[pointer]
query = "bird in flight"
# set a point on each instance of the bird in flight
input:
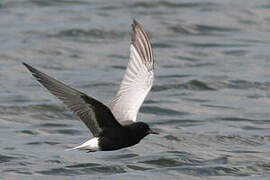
(116, 127)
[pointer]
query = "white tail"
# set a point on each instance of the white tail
(92, 145)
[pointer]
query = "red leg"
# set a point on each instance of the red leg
(90, 150)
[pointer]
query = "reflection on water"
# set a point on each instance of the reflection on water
(210, 100)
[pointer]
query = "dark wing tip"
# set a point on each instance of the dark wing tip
(135, 22)
(133, 32)
(26, 65)
(37, 74)
(141, 41)
(135, 27)
(30, 68)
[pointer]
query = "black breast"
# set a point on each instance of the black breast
(117, 138)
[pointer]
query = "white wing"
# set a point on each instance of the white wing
(137, 80)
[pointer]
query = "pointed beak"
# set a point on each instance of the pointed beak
(152, 132)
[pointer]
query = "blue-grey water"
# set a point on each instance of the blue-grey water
(210, 100)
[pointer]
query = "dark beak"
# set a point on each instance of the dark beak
(152, 132)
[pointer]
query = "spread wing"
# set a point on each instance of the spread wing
(95, 115)
(138, 78)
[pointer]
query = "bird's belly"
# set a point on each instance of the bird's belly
(107, 144)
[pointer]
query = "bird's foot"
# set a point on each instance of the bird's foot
(90, 150)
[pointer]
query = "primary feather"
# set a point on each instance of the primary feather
(95, 115)
(138, 78)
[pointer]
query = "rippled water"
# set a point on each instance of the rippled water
(210, 100)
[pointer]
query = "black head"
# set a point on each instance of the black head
(141, 129)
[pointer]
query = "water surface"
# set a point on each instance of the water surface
(210, 100)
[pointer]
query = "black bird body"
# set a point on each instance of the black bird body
(116, 127)
(121, 137)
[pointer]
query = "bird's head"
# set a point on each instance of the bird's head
(142, 129)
